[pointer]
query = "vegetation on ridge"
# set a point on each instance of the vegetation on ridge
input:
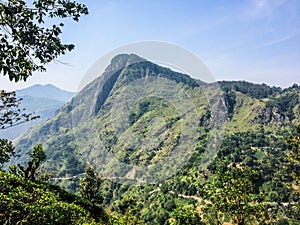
(246, 183)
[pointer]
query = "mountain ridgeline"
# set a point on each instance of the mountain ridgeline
(156, 136)
(42, 100)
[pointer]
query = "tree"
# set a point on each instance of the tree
(233, 192)
(11, 115)
(186, 215)
(6, 151)
(291, 172)
(10, 112)
(294, 157)
(37, 155)
(28, 41)
(29, 38)
(30, 203)
(89, 186)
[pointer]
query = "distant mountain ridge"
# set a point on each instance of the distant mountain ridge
(46, 91)
(43, 100)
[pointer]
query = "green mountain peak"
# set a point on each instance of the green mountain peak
(138, 115)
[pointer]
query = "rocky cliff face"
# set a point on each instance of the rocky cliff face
(268, 115)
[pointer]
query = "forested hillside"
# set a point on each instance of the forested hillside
(228, 152)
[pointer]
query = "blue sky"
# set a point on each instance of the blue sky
(253, 40)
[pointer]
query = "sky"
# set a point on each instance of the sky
(252, 40)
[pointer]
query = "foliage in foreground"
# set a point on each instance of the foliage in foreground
(25, 202)
(27, 43)
(10, 112)
(25, 199)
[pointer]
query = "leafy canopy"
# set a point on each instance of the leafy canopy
(37, 156)
(90, 186)
(29, 38)
(10, 112)
(233, 192)
(11, 115)
(6, 151)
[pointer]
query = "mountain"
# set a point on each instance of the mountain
(43, 100)
(47, 91)
(87, 115)
(157, 137)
